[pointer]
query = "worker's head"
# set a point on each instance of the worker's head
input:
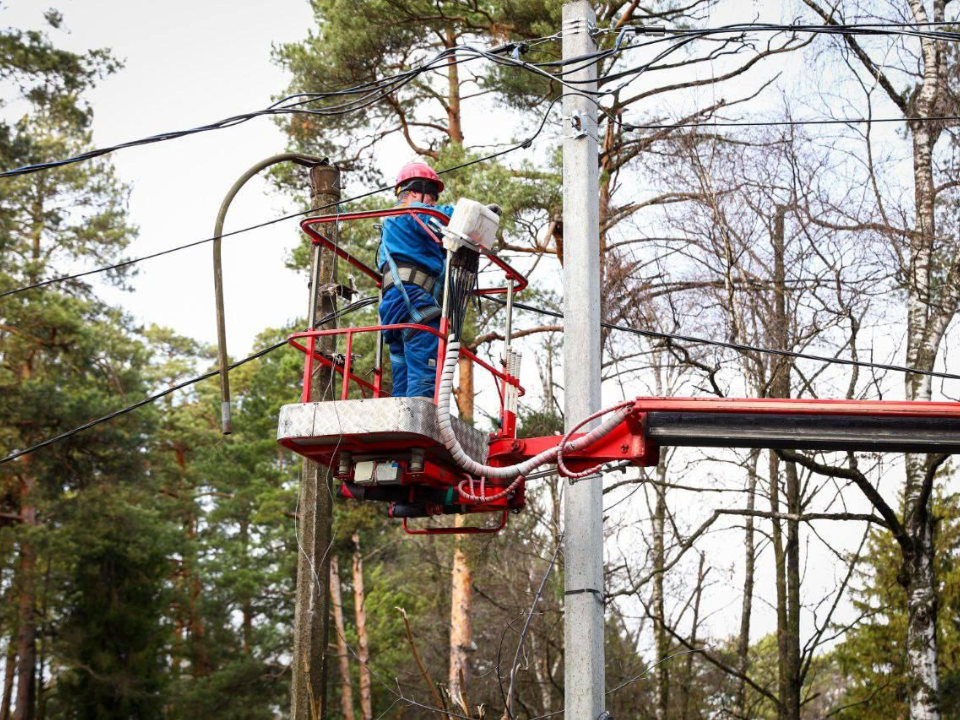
(417, 182)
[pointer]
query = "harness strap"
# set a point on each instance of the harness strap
(410, 274)
(420, 317)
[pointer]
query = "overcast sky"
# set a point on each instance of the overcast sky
(189, 63)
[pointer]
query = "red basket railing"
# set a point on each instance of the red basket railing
(306, 342)
(310, 227)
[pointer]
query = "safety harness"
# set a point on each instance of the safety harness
(411, 274)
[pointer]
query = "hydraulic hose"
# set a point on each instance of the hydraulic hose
(616, 415)
(299, 159)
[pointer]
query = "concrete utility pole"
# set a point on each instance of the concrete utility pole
(312, 615)
(584, 676)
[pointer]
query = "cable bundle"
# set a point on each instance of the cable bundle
(464, 264)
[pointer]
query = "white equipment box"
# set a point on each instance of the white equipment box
(473, 224)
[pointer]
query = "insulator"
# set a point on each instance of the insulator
(512, 393)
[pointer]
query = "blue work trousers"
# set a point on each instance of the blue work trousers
(413, 354)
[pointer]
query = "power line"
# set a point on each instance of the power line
(179, 386)
(63, 278)
(867, 29)
(780, 123)
(688, 35)
(371, 92)
(739, 347)
(625, 126)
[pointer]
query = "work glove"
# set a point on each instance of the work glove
(496, 208)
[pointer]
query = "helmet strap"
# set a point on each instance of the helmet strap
(420, 185)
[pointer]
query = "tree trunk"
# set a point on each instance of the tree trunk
(346, 688)
(199, 661)
(659, 617)
(695, 625)
(792, 700)
(541, 669)
(922, 660)
(787, 557)
(246, 608)
(363, 645)
(781, 584)
(928, 314)
(461, 593)
(27, 633)
(918, 574)
(461, 625)
(42, 634)
(9, 669)
(746, 607)
(454, 121)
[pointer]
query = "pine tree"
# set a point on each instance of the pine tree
(873, 654)
(66, 357)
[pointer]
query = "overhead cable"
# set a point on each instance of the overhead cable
(368, 93)
(364, 302)
(106, 268)
(787, 123)
(739, 347)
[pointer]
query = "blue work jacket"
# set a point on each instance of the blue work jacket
(407, 242)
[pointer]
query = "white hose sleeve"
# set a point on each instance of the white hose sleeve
(445, 425)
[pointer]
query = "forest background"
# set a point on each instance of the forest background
(147, 566)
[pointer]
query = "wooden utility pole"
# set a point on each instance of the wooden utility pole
(312, 615)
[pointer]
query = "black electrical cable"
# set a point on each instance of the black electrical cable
(865, 29)
(179, 386)
(373, 91)
(463, 279)
(785, 123)
(63, 278)
(739, 347)
(688, 35)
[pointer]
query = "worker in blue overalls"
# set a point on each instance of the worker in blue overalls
(411, 263)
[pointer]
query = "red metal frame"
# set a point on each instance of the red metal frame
(432, 475)
(795, 406)
(309, 226)
(500, 377)
(629, 440)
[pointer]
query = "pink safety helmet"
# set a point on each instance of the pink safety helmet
(417, 171)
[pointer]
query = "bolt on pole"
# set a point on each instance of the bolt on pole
(312, 615)
(584, 676)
